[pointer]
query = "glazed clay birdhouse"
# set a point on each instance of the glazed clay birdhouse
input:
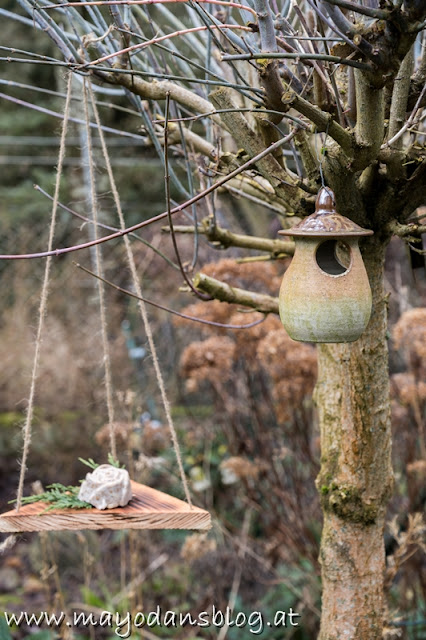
(325, 295)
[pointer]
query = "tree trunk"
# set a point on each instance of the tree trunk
(355, 481)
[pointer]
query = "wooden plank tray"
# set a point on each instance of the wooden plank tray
(148, 509)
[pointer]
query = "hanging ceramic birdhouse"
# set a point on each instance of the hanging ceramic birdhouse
(325, 295)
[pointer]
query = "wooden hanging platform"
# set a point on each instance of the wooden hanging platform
(148, 509)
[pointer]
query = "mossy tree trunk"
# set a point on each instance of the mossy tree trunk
(356, 479)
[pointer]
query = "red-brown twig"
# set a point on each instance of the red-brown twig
(147, 43)
(108, 227)
(200, 295)
(172, 311)
(91, 3)
(160, 216)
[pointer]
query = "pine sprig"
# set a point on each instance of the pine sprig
(94, 465)
(115, 463)
(58, 496)
(90, 463)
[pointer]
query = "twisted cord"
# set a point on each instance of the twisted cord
(141, 305)
(27, 427)
(101, 287)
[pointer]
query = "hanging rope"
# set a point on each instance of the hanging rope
(43, 303)
(101, 288)
(141, 304)
(8, 544)
(323, 152)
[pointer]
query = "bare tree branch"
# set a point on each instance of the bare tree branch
(193, 140)
(399, 102)
(410, 121)
(406, 230)
(284, 186)
(380, 14)
(225, 238)
(224, 292)
(299, 56)
(157, 305)
(158, 91)
(310, 163)
(324, 121)
(369, 127)
(268, 41)
(350, 30)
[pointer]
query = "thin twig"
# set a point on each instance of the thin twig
(333, 24)
(160, 216)
(177, 54)
(170, 76)
(172, 311)
(299, 56)
(380, 14)
(54, 31)
(409, 122)
(56, 114)
(182, 32)
(58, 63)
(200, 116)
(422, 252)
(108, 227)
(38, 56)
(169, 215)
(104, 3)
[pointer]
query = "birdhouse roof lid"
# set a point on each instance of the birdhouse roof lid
(325, 221)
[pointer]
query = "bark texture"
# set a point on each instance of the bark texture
(356, 478)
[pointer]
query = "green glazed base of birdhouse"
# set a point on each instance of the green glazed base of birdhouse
(325, 321)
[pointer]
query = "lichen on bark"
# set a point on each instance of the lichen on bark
(356, 477)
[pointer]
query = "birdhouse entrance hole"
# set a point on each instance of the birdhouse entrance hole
(334, 257)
